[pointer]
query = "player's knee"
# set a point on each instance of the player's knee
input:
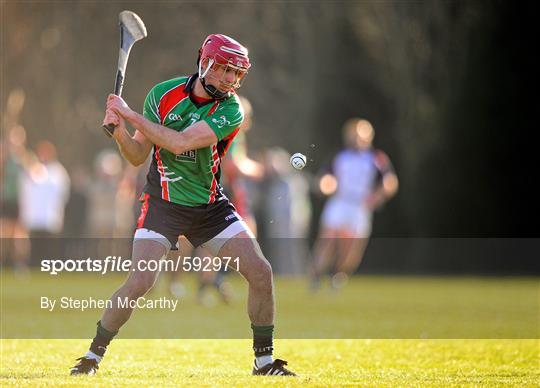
(140, 283)
(261, 275)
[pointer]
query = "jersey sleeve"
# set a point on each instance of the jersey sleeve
(151, 107)
(225, 119)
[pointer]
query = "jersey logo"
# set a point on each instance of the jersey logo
(187, 156)
(221, 122)
(174, 117)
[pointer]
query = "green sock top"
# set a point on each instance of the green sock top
(263, 331)
(104, 332)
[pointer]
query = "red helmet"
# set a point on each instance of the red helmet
(224, 50)
(219, 49)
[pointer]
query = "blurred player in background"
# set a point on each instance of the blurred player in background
(190, 122)
(102, 194)
(287, 213)
(13, 160)
(14, 157)
(362, 179)
(238, 172)
(45, 188)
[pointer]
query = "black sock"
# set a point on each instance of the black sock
(102, 339)
(263, 340)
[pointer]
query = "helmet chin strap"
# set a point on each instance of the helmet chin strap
(210, 89)
(213, 91)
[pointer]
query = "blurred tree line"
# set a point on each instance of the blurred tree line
(437, 79)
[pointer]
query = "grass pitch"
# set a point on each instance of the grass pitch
(325, 363)
(383, 307)
(369, 307)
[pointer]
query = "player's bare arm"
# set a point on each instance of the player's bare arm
(196, 136)
(134, 149)
(386, 190)
(389, 184)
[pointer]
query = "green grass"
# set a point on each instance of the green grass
(325, 363)
(369, 307)
(454, 332)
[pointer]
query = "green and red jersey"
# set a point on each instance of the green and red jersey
(191, 178)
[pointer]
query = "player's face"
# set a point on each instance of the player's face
(225, 78)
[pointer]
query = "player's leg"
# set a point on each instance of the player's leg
(324, 252)
(235, 240)
(158, 229)
(225, 234)
(139, 281)
(325, 248)
(254, 267)
(352, 245)
(352, 254)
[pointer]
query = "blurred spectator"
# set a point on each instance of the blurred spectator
(75, 233)
(126, 199)
(288, 213)
(111, 199)
(362, 180)
(76, 219)
(103, 194)
(43, 198)
(15, 245)
(240, 172)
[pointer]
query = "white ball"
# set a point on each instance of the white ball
(298, 161)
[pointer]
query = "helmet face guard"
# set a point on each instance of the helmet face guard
(224, 60)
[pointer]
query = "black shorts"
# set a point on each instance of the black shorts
(198, 224)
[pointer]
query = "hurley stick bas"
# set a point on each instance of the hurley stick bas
(132, 29)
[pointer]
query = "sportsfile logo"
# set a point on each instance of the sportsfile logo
(187, 156)
(112, 264)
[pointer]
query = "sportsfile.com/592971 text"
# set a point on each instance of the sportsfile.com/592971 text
(117, 264)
